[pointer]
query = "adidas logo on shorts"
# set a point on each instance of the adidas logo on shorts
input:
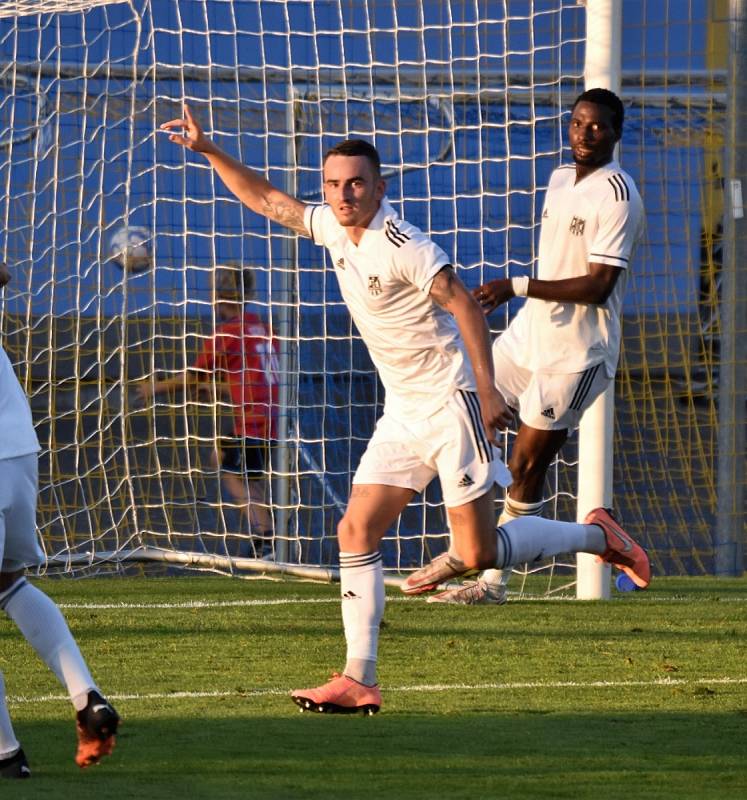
(549, 413)
(465, 481)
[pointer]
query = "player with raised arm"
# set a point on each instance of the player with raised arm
(428, 338)
(36, 616)
(560, 352)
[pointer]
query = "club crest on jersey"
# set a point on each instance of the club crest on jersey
(340, 263)
(374, 285)
(577, 226)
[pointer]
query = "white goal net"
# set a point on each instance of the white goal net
(464, 100)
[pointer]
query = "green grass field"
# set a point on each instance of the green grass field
(644, 696)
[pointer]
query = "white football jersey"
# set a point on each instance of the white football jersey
(385, 281)
(599, 219)
(17, 437)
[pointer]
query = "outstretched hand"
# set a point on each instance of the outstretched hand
(192, 136)
(493, 294)
(143, 391)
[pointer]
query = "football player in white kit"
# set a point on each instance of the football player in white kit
(428, 338)
(560, 351)
(35, 615)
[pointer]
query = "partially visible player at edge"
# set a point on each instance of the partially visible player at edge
(560, 352)
(428, 338)
(36, 616)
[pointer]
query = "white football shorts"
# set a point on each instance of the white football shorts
(548, 401)
(450, 443)
(19, 481)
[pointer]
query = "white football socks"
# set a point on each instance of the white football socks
(496, 579)
(535, 538)
(362, 592)
(8, 743)
(45, 629)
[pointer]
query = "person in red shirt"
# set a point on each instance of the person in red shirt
(240, 360)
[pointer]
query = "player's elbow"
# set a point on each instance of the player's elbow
(601, 284)
(598, 298)
(603, 292)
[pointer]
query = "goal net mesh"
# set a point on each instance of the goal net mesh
(467, 103)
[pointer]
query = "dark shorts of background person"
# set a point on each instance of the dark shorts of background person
(245, 456)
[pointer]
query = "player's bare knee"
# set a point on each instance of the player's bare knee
(352, 536)
(533, 453)
(523, 465)
(528, 478)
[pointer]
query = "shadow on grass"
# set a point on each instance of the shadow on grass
(399, 757)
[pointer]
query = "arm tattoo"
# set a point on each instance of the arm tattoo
(442, 288)
(285, 214)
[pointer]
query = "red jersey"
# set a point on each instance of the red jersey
(242, 355)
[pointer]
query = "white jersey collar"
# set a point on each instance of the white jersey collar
(369, 238)
(611, 166)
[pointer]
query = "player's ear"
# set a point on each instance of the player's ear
(380, 188)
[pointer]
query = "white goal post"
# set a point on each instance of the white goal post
(602, 68)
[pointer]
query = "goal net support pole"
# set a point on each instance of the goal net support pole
(730, 515)
(602, 68)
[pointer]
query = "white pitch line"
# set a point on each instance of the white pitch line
(418, 688)
(203, 603)
(189, 604)
(321, 600)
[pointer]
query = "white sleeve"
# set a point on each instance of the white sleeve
(620, 226)
(318, 221)
(420, 260)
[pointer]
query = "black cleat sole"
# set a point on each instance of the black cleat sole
(305, 704)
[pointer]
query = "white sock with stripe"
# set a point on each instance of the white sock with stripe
(534, 539)
(496, 579)
(45, 629)
(363, 598)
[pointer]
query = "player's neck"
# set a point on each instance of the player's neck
(355, 232)
(584, 170)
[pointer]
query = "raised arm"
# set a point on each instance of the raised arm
(254, 191)
(452, 295)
